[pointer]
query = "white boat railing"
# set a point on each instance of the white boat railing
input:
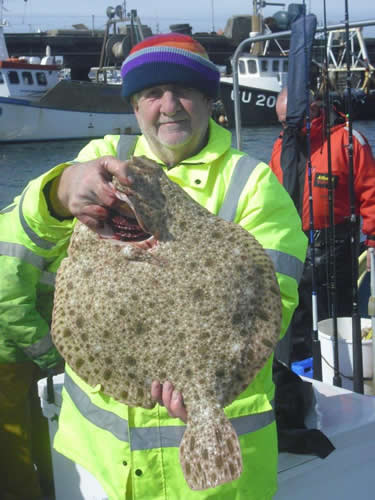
(262, 38)
(357, 57)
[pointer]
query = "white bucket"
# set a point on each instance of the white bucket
(345, 348)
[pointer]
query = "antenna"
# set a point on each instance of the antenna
(3, 21)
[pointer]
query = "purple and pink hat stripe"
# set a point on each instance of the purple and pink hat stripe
(171, 58)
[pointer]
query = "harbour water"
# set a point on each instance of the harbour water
(20, 163)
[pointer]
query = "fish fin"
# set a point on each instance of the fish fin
(210, 454)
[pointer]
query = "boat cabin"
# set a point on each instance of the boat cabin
(27, 77)
(265, 72)
(21, 79)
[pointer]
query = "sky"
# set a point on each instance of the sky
(202, 15)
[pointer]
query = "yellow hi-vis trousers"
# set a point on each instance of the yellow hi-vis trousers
(25, 454)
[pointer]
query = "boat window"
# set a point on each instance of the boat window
(27, 78)
(13, 77)
(241, 67)
(252, 66)
(285, 66)
(1, 77)
(264, 65)
(41, 78)
(275, 65)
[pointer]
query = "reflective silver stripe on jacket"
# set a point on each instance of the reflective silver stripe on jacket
(40, 242)
(48, 278)
(126, 146)
(7, 209)
(283, 262)
(39, 348)
(146, 438)
(357, 135)
(286, 264)
(23, 253)
(242, 171)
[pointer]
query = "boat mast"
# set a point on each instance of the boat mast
(3, 48)
(257, 27)
(3, 22)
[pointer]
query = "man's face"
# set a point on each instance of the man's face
(281, 106)
(173, 117)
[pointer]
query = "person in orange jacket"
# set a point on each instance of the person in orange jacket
(297, 183)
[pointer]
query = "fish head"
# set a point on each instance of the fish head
(141, 214)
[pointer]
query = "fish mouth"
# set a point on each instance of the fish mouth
(124, 226)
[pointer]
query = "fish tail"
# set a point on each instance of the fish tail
(210, 452)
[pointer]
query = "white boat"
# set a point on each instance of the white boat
(260, 80)
(262, 72)
(38, 103)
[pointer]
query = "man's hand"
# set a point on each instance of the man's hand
(165, 395)
(84, 190)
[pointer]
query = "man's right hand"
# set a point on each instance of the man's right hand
(84, 190)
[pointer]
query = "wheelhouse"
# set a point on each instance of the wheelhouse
(22, 80)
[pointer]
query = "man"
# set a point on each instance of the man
(133, 452)
(296, 183)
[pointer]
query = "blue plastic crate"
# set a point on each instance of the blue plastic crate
(303, 367)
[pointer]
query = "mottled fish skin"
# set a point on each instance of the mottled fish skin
(201, 308)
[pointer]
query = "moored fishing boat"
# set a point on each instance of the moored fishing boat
(261, 71)
(37, 103)
(260, 80)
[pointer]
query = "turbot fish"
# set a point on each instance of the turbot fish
(172, 292)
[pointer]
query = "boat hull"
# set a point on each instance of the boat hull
(69, 110)
(257, 105)
(22, 121)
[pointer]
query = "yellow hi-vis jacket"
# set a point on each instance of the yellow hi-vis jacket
(133, 452)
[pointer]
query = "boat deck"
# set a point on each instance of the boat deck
(346, 418)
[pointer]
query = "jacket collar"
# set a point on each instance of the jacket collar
(193, 171)
(219, 141)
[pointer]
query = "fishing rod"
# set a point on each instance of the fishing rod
(371, 307)
(354, 236)
(315, 342)
(331, 282)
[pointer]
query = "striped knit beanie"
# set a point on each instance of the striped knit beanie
(169, 58)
